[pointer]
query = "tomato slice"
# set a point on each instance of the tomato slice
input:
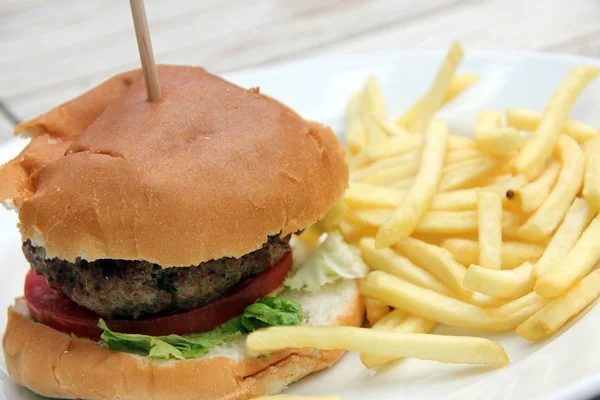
(53, 308)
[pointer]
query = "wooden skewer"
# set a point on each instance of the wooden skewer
(145, 48)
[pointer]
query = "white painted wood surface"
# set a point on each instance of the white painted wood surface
(51, 50)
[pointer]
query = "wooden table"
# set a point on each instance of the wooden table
(52, 50)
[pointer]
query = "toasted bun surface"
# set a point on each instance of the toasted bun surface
(54, 364)
(207, 172)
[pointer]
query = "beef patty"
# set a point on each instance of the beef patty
(134, 289)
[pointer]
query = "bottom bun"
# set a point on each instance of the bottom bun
(55, 364)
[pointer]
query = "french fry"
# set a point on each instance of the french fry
(311, 235)
(529, 120)
(364, 195)
(356, 133)
(403, 184)
(549, 319)
(489, 215)
(498, 177)
(591, 183)
(390, 128)
(377, 137)
(546, 219)
(468, 174)
(500, 142)
(405, 219)
(391, 320)
(461, 143)
(531, 196)
(488, 119)
(395, 146)
(375, 310)
(468, 163)
(433, 239)
(458, 156)
(391, 175)
(372, 99)
(579, 261)
(492, 137)
(541, 144)
(466, 199)
(433, 98)
(437, 261)
(534, 174)
(388, 170)
(333, 217)
(485, 301)
(409, 157)
(509, 284)
(400, 323)
(466, 252)
(576, 220)
(361, 195)
(352, 231)
(464, 223)
(391, 262)
(458, 200)
(449, 223)
(448, 349)
(459, 84)
(447, 310)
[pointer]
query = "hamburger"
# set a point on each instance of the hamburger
(157, 233)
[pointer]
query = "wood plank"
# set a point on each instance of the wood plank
(12, 7)
(508, 25)
(65, 54)
(104, 41)
(37, 16)
(88, 26)
(242, 37)
(212, 44)
(587, 44)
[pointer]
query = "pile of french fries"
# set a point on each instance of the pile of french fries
(498, 233)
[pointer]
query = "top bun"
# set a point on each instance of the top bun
(209, 171)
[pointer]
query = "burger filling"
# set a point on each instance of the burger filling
(134, 289)
(85, 296)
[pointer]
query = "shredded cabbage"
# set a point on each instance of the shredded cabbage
(334, 260)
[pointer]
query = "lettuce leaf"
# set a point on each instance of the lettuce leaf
(269, 311)
(333, 261)
(165, 347)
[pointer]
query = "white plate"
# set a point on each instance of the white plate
(566, 367)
